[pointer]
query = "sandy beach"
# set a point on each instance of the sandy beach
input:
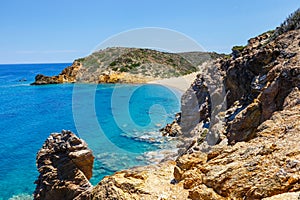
(181, 83)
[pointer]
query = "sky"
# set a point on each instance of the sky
(55, 31)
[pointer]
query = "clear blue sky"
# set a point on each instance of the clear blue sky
(62, 30)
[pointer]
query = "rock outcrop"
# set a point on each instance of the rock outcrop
(65, 165)
(265, 166)
(68, 75)
(195, 105)
(259, 80)
(150, 182)
(173, 129)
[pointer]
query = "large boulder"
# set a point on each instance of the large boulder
(65, 165)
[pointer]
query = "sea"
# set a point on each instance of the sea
(119, 122)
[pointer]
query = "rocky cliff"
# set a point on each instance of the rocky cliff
(68, 75)
(128, 65)
(240, 126)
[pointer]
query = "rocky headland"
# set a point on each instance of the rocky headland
(239, 126)
(128, 65)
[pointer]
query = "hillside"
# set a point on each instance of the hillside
(128, 65)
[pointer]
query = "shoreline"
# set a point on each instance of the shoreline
(180, 84)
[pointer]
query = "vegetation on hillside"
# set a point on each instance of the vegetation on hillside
(145, 62)
(291, 23)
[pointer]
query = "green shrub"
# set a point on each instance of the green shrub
(291, 23)
(114, 63)
(124, 69)
(80, 59)
(170, 60)
(136, 64)
(128, 60)
(227, 56)
(238, 48)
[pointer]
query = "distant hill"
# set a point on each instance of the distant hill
(128, 65)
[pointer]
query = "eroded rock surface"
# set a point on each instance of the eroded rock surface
(65, 165)
(265, 166)
(195, 105)
(68, 75)
(148, 183)
(259, 80)
(173, 129)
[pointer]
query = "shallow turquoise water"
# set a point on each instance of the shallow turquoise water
(119, 122)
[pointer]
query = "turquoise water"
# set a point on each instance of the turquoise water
(119, 122)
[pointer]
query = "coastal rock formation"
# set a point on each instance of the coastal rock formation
(150, 182)
(259, 80)
(195, 105)
(288, 195)
(262, 81)
(265, 166)
(68, 75)
(241, 140)
(65, 165)
(173, 129)
(257, 155)
(128, 65)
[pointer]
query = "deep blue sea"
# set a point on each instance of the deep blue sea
(119, 123)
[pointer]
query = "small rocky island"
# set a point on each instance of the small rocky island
(249, 150)
(128, 65)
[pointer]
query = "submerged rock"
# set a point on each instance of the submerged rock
(65, 165)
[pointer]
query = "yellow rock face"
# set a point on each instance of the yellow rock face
(123, 77)
(148, 183)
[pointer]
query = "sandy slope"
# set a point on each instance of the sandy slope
(181, 83)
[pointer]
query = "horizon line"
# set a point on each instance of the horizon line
(35, 63)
